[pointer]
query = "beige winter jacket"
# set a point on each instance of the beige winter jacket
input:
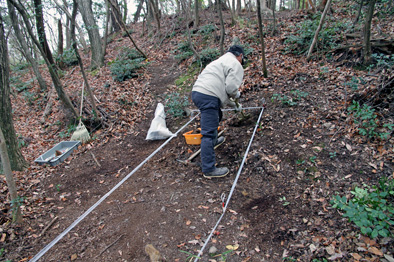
(221, 78)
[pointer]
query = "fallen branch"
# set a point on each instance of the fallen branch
(48, 226)
(94, 158)
(110, 245)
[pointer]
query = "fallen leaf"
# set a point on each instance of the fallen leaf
(356, 256)
(375, 251)
(232, 247)
(181, 245)
(336, 256)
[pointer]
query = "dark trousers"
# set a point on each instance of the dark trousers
(211, 114)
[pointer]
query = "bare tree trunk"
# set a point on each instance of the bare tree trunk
(105, 40)
(60, 42)
(189, 38)
(239, 7)
(41, 31)
(222, 30)
(51, 67)
(138, 12)
(68, 33)
(25, 48)
(116, 16)
(16, 208)
(312, 6)
(367, 32)
(196, 13)
(74, 14)
(232, 12)
(322, 5)
(318, 29)
(124, 11)
(85, 7)
(265, 72)
(360, 8)
(6, 123)
(128, 34)
(156, 13)
(68, 15)
(273, 3)
(60, 37)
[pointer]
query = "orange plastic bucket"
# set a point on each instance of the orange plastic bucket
(194, 139)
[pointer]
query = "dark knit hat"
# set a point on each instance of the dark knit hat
(236, 50)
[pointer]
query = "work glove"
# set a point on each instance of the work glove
(237, 95)
(238, 107)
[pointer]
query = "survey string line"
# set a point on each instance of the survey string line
(232, 188)
(87, 212)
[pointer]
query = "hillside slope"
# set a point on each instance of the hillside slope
(305, 151)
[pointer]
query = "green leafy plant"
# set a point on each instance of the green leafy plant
(29, 97)
(223, 256)
(127, 64)
(289, 259)
(312, 159)
(354, 83)
(16, 82)
(22, 66)
(284, 99)
(208, 55)
(68, 58)
(366, 120)
(190, 256)
(323, 72)
(284, 201)
(183, 51)
(329, 36)
(381, 61)
(21, 141)
(206, 30)
(299, 94)
(67, 133)
(333, 154)
(175, 104)
(370, 209)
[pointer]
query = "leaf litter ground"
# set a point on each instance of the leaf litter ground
(280, 207)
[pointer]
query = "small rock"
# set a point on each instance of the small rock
(213, 250)
(153, 253)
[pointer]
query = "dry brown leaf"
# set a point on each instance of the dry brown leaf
(356, 256)
(375, 251)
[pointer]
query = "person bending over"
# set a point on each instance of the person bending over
(217, 83)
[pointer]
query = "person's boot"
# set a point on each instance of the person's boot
(218, 172)
(219, 141)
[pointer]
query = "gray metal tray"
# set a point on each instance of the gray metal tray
(58, 153)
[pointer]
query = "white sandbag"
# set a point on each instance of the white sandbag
(158, 128)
